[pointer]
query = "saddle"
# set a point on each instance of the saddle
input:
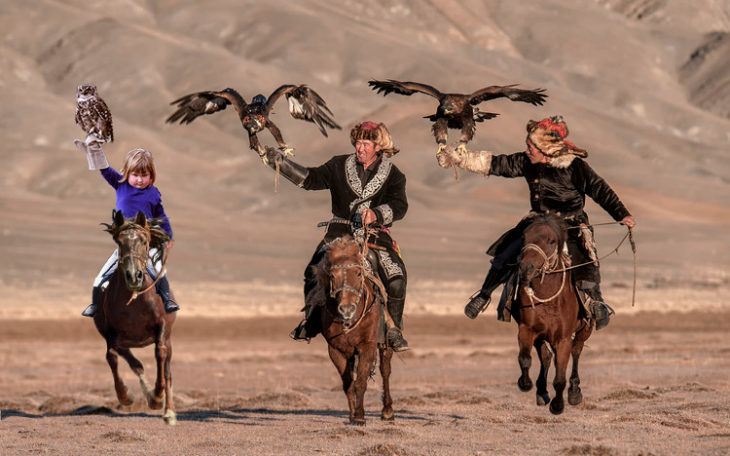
(506, 310)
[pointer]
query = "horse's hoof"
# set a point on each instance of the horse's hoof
(154, 404)
(543, 399)
(170, 418)
(524, 383)
(127, 399)
(358, 421)
(556, 407)
(387, 415)
(575, 398)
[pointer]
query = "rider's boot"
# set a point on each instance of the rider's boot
(600, 310)
(394, 337)
(90, 311)
(480, 300)
(310, 326)
(163, 289)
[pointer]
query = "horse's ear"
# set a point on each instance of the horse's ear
(118, 218)
(140, 219)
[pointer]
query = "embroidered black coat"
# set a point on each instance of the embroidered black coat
(560, 186)
(384, 193)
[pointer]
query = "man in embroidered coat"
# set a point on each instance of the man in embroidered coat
(366, 188)
(559, 180)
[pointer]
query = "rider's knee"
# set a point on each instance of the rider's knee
(397, 287)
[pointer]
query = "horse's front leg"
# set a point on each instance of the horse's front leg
(364, 365)
(169, 413)
(526, 339)
(155, 401)
(122, 391)
(345, 367)
(575, 396)
(138, 369)
(386, 354)
(562, 356)
(546, 356)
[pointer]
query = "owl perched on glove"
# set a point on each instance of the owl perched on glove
(92, 114)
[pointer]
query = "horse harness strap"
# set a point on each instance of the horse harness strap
(550, 263)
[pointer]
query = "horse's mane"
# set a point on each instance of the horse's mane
(158, 236)
(555, 223)
(344, 246)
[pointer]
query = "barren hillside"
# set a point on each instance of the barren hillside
(642, 85)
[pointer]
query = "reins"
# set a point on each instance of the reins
(144, 259)
(362, 292)
(549, 262)
(629, 234)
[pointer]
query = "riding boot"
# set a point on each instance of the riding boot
(310, 326)
(163, 289)
(479, 302)
(90, 311)
(394, 337)
(600, 310)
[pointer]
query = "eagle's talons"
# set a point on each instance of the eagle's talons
(287, 151)
(461, 148)
(442, 147)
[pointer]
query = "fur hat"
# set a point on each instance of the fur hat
(375, 132)
(548, 135)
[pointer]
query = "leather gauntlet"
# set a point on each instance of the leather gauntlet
(294, 172)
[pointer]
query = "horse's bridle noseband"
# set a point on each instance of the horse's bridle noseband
(345, 286)
(550, 264)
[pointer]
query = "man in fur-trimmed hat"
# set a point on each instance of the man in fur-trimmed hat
(559, 181)
(366, 189)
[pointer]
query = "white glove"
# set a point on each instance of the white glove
(94, 152)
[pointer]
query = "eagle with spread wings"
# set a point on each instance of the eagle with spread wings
(459, 111)
(304, 103)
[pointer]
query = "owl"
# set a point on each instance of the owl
(92, 114)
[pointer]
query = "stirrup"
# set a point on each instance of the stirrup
(90, 311)
(300, 332)
(171, 306)
(396, 341)
(476, 305)
(601, 313)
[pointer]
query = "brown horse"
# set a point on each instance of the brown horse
(350, 323)
(548, 312)
(132, 314)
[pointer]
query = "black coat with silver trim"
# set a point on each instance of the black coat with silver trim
(384, 193)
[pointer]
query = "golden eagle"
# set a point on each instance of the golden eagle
(304, 103)
(456, 110)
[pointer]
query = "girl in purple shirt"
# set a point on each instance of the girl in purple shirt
(135, 193)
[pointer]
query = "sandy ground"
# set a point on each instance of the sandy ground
(653, 384)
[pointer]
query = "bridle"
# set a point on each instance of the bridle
(551, 263)
(365, 274)
(142, 258)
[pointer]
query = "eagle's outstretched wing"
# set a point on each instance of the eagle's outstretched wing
(304, 104)
(403, 88)
(534, 97)
(196, 104)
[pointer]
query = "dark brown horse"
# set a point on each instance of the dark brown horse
(548, 313)
(350, 324)
(132, 314)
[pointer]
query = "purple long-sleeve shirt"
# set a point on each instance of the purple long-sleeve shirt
(131, 200)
